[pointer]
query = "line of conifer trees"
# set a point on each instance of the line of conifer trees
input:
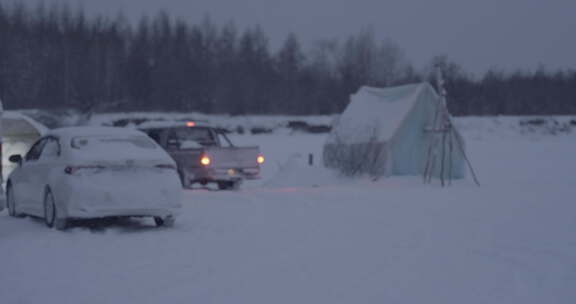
(56, 58)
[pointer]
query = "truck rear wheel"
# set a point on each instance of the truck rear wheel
(167, 221)
(184, 180)
(228, 185)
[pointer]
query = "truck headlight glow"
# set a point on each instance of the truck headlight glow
(260, 159)
(205, 160)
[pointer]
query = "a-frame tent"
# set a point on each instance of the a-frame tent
(404, 130)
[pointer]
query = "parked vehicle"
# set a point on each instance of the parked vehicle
(84, 172)
(2, 196)
(19, 132)
(205, 154)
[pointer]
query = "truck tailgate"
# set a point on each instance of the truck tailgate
(234, 157)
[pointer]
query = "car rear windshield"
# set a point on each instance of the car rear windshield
(112, 142)
(202, 136)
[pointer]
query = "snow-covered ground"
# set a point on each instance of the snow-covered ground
(304, 235)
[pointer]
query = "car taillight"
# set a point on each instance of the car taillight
(260, 159)
(205, 160)
(73, 169)
(166, 166)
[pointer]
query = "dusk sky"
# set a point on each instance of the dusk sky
(477, 34)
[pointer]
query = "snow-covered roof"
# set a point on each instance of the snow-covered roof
(109, 151)
(18, 124)
(376, 113)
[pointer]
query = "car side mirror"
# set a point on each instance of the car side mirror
(16, 158)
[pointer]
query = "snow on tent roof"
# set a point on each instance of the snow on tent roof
(110, 150)
(375, 113)
(17, 124)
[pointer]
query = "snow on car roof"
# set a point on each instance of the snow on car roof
(110, 151)
(91, 131)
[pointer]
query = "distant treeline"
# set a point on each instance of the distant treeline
(52, 57)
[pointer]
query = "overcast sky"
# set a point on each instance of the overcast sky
(477, 34)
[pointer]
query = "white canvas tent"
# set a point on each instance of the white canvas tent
(19, 132)
(403, 130)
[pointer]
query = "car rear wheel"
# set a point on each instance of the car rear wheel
(51, 213)
(167, 221)
(11, 202)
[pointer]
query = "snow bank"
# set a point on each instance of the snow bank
(499, 126)
(533, 127)
(296, 172)
(246, 122)
(390, 241)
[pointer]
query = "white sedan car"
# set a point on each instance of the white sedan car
(94, 172)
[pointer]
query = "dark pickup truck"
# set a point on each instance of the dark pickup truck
(204, 154)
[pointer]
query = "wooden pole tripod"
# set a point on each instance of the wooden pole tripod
(443, 125)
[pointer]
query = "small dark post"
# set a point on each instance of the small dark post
(311, 159)
(1, 136)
